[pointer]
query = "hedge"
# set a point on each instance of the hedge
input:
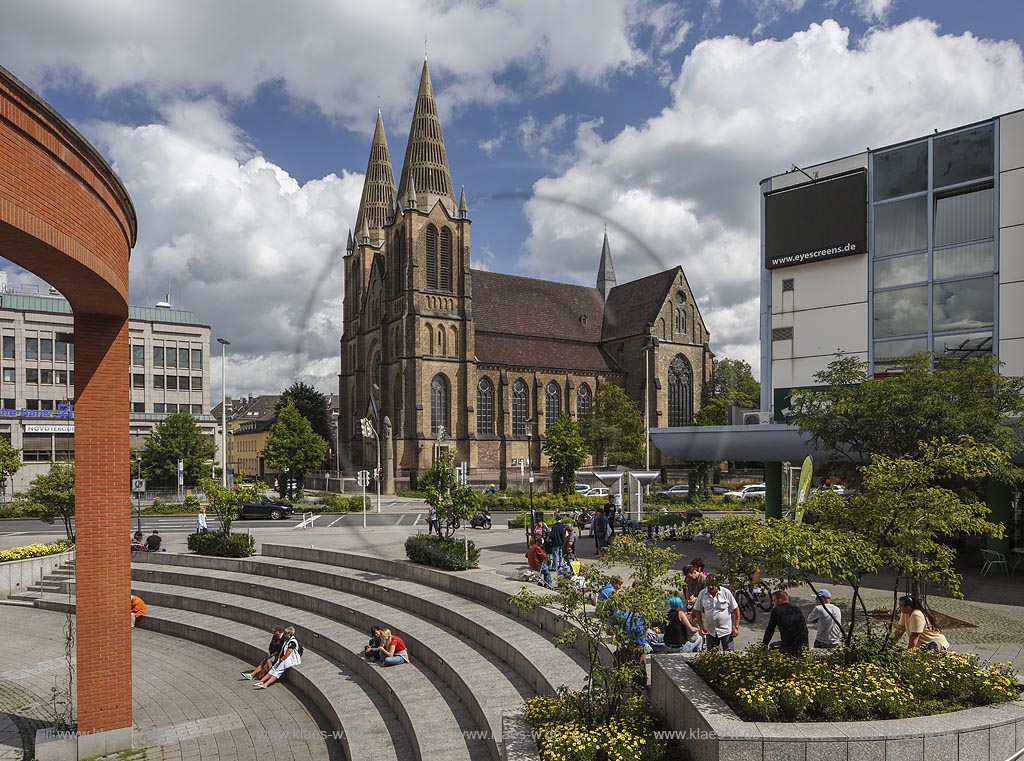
(441, 552)
(222, 545)
(35, 551)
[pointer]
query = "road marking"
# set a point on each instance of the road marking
(418, 516)
(400, 517)
(336, 520)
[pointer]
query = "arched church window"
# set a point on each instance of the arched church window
(442, 341)
(680, 392)
(552, 404)
(439, 404)
(520, 408)
(445, 266)
(430, 338)
(664, 335)
(454, 347)
(432, 257)
(583, 401)
(485, 407)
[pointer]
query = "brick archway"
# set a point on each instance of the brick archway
(65, 217)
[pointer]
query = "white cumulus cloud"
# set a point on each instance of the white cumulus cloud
(682, 187)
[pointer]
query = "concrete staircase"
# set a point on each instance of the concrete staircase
(475, 656)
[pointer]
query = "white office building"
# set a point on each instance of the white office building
(170, 372)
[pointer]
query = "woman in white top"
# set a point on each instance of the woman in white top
(201, 521)
(288, 658)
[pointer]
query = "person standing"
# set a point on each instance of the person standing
(201, 521)
(432, 522)
(600, 532)
(828, 619)
(558, 531)
(790, 621)
(716, 613)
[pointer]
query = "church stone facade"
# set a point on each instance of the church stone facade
(434, 350)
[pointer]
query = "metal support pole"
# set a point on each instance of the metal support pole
(223, 411)
(380, 476)
(364, 505)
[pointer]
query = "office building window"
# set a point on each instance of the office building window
(8, 404)
(46, 376)
(158, 381)
(197, 359)
(46, 348)
(31, 375)
(37, 447)
(159, 408)
(158, 356)
(46, 404)
(520, 408)
(197, 383)
(60, 377)
(933, 289)
(552, 404)
(171, 357)
(138, 406)
(8, 347)
(138, 380)
(31, 348)
(138, 354)
(485, 407)
(64, 347)
(9, 375)
(183, 359)
(171, 383)
(197, 409)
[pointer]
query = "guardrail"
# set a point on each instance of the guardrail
(307, 520)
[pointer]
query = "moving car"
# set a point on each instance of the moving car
(261, 507)
(835, 488)
(598, 491)
(582, 488)
(679, 490)
(750, 490)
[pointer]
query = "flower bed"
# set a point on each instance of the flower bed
(35, 551)
(766, 685)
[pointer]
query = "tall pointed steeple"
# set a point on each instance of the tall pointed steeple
(605, 272)
(426, 161)
(378, 200)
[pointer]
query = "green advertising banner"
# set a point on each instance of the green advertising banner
(803, 488)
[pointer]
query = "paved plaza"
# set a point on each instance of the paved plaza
(191, 703)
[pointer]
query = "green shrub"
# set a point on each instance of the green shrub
(411, 493)
(441, 552)
(222, 545)
(191, 501)
(337, 503)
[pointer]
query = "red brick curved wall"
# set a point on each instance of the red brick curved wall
(65, 217)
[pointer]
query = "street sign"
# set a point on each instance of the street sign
(181, 474)
(138, 485)
(363, 478)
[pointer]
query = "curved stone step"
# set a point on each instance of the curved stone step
(480, 679)
(370, 730)
(439, 726)
(527, 650)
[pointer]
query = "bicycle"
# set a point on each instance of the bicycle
(750, 599)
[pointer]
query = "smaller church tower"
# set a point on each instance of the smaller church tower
(605, 271)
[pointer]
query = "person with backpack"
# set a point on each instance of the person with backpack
(291, 656)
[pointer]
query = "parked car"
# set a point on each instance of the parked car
(679, 490)
(261, 507)
(582, 488)
(835, 488)
(751, 490)
(598, 491)
(718, 491)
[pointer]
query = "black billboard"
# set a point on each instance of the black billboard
(825, 219)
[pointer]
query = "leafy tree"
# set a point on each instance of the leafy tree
(453, 501)
(732, 383)
(901, 520)
(855, 417)
(224, 502)
(52, 495)
(312, 405)
(178, 437)
(10, 463)
(293, 448)
(566, 449)
(614, 427)
(608, 688)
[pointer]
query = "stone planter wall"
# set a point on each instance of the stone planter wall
(17, 575)
(711, 731)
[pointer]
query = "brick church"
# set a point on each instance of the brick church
(481, 361)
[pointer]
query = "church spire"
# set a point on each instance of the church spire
(605, 272)
(426, 161)
(463, 209)
(378, 200)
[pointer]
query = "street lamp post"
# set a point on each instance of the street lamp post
(223, 411)
(648, 345)
(529, 464)
(138, 494)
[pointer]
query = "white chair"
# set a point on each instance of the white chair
(991, 558)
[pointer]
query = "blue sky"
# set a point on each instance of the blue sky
(241, 130)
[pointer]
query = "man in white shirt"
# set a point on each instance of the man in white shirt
(717, 615)
(830, 631)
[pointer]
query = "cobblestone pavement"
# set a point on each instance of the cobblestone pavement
(190, 702)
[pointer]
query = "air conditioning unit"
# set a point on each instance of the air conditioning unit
(757, 418)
